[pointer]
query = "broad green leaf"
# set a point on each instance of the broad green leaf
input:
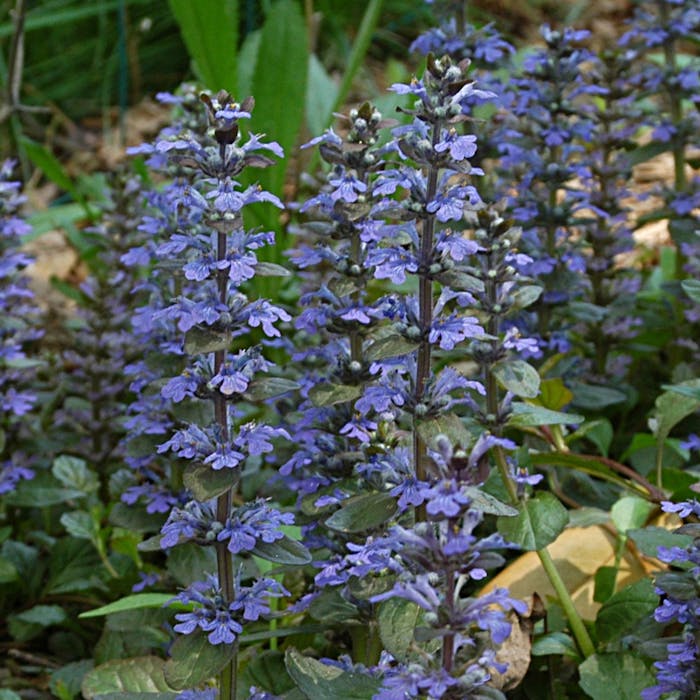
(649, 539)
(142, 674)
(593, 397)
(74, 473)
(605, 579)
(31, 623)
(131, 602)
(210, 31)
(389, 346)
(268, 269)
(194, 660)
(519, 377)
(447, 424)
(486, 503)
(630, 512)
(555, 644)
(188, 562)
(690, 392)
(269, 387)
(320, 96)
(201, 339)
(622, 676)
(279, 83)
(599, 432)
(539, 522)
(74, 566)
(526, 415)
(623, 611)
(331, 608)
(135, 518)
(205, 482)
(6, 694)
(80, 524)
(43, 159)
(364, 512)
(526, 295)
(692, 289)
(267, 670)
(672, 408)
(7, 571)
(397, 619)
(646, 152)
(283, 551)
(65, 681)
(331, 394)
(42, 491)
(318, 680)
(554, 394)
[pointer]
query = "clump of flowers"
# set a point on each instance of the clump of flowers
(216, 256)
(678, 674)
(18, 328)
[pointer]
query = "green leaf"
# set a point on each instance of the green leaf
(672, 408)
(331, 394)
(31, 623)
(605, 578)
(317, 680)
(320, 96)
(539, 522)
(331, 608)
(526, 415)
(65, 682)
(74, 566)
(267, 670)
(555, 644)
(649, 539)
(283, 551)
(43, 159)
(593, 397)
(194, 660)
(621, 676)
(447, 424)
(42, 491)
(280, 93)
(215, 59)
(135, 518)
(599, 432)
(623, 611)
(74, 473)
(201, 339)
(526, 295)
(8, 572)
(554, 394)
(142, 674)
(6, 694)
(268, 269)
(646, 152)
(269, 387)
(519, 377)
(189, 562)
(486, 503)
(397, 619)
(80, 524)
(692, 289)
(389, 346)
(205, 482)
(131, 602)
(630, 512)
(364, 512)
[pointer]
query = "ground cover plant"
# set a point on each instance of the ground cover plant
(365, 396)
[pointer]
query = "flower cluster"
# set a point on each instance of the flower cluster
(203, 256)
(678, 673)
(18, 328)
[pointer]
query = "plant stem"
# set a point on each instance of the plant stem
(579, 630)
(224, 559)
